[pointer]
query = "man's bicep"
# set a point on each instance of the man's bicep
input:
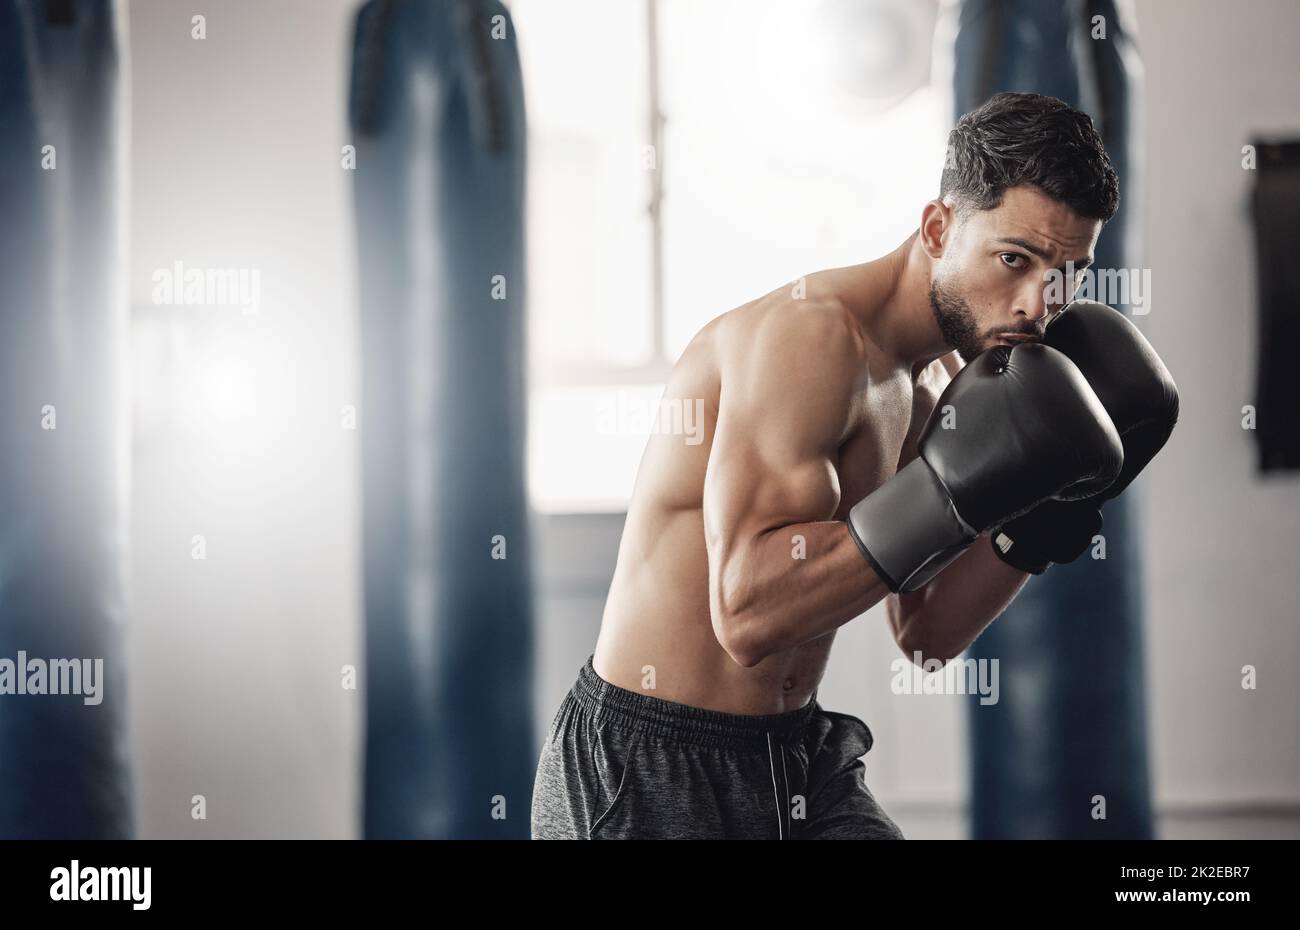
(749, 489)
(780, 424)
(764, 474)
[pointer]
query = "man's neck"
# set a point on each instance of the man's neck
(903, 323)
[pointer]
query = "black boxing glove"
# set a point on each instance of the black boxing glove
(1141, 400)
(1027, 428)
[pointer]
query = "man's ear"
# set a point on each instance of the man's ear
(937, 222)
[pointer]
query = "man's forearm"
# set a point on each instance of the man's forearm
(799, 583)
(947, 615)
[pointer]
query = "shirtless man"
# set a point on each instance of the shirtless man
(743, 554)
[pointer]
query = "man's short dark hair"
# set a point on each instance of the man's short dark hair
(1029, 139)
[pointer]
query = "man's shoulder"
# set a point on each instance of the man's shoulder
(805, 329)
(801, 357)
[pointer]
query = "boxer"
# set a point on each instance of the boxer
(924, 429)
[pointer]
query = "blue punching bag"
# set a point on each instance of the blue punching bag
(438, 123)
(64, 768)
(1063, 754)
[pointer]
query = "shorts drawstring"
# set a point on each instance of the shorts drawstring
(781, 824)
(786, 778)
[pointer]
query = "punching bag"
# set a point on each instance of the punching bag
(1063, 754)
(64, 440)
(437, 122)
(1275, 208)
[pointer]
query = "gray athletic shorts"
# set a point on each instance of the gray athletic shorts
(621, 765)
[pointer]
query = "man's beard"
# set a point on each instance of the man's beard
(956, 321)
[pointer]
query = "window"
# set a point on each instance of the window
(685, 158)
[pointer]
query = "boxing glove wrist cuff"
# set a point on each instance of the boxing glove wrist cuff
(908, 529)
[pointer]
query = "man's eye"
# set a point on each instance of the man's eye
(1011, 259)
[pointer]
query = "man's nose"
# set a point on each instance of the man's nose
(1032, 303)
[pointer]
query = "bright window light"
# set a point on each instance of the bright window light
(780, 156)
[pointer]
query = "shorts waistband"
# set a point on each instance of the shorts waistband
(695, 725)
